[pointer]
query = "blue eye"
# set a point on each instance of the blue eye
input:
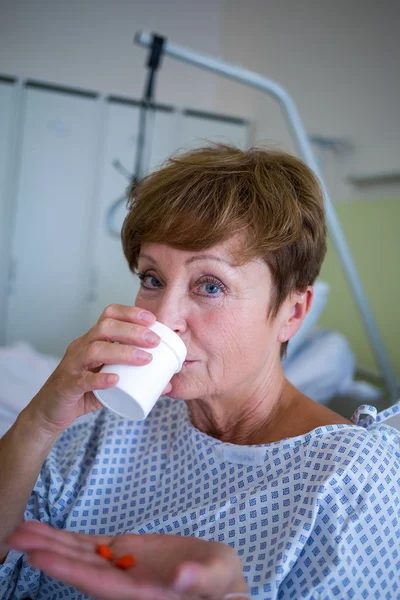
(154, 281)
(211, 288)
(208, 286)
(148, 281)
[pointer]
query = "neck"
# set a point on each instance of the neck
(246, 416)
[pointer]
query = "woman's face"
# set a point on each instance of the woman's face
(221, 313)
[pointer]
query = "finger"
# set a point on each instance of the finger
(103, 581)
(88, 381)
(83, 385)
(102, 353)
(74, 540)
(124, 332)
(167, 389)
(211, 581)
(90, 402)
(130, 314)
(33, 542)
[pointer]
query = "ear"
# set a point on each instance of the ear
(294, 311)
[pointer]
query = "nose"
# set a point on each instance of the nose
(171, 312)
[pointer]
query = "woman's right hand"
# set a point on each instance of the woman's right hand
(68, 392)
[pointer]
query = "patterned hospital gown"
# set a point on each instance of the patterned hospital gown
(312, 517)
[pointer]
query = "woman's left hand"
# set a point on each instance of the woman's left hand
(168, 567)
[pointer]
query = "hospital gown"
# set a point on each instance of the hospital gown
(315, 516)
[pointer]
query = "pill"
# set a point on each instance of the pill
(126, 561)
(105, 551)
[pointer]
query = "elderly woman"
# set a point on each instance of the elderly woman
(263, 492)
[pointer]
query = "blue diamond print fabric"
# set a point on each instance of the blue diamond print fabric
(313, 517)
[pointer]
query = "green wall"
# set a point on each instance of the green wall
(372, 229)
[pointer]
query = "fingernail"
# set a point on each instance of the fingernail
(143, 356)
(147, 317)
(151, 337)
(185, 580)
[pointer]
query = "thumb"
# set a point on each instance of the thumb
(167, 389)
(213, 581)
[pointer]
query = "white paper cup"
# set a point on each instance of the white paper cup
(139, 387)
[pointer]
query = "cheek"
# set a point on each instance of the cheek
(235, 333)
(148, 302)
(141, 301)
(219, 328)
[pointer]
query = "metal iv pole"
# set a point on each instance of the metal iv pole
(146, 117)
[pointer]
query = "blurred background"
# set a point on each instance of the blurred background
(71, 82)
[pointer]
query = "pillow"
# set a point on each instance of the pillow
(23, 371)
(323, 367)
(321, 291)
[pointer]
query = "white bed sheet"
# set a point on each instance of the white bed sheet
(23, 371)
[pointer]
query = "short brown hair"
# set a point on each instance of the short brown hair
(205, 196)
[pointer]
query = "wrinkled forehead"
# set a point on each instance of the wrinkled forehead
(230, 251)
(226, 256)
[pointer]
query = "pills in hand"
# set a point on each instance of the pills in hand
(126, 561)
(105, 551)
(123, 562)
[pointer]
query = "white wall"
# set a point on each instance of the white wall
(339, 61)
(89, 43)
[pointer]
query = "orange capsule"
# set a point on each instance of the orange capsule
(126, 561)
(105, 551)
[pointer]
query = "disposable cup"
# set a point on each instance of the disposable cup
(139, 387)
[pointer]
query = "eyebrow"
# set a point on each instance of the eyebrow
(193, 259)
